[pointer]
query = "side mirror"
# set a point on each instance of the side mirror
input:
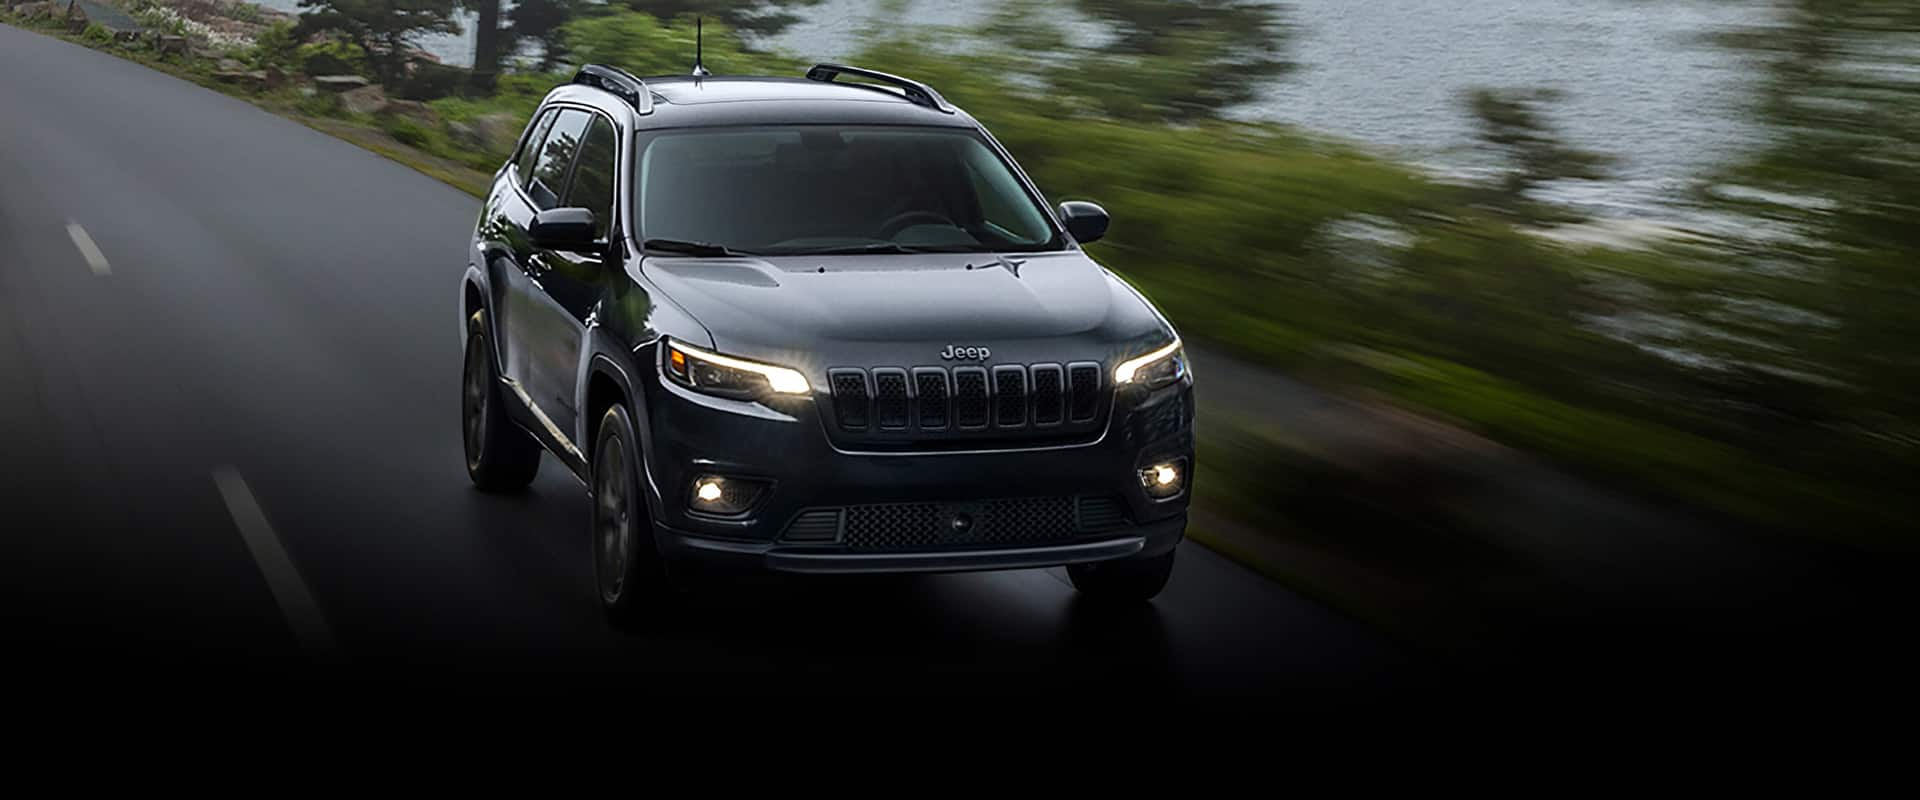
(566, 229)
(1086, 221)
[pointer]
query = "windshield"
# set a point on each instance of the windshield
(816, 189)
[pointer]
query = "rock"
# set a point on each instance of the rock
(465, 135)
(254, 79)
(414, 110)
(229, 65)
(165, 44)
(340, 83)
(32, 11)
(364, 100)
(497, 132)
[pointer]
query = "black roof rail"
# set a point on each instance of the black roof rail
(917, 93)
(618, 81)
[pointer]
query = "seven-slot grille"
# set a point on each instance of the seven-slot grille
(967, 399)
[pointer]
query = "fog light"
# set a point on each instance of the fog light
(714, 494)
(1165, 479)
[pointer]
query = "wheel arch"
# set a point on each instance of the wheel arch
(609, 382)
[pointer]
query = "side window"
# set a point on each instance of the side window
(523, 164)
(556, 157)
(592, 186)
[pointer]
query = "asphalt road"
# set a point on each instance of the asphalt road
(228, 387)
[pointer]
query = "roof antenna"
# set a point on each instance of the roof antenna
(699, 69)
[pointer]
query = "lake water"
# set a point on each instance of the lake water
(1640, 84)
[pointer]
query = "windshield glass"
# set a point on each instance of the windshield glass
(817, 189)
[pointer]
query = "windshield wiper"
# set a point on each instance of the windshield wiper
(705, 249)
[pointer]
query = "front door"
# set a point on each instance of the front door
(541, 343)
(572, 284)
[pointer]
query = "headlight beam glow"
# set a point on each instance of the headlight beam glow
(1127, 369)
(780, 379)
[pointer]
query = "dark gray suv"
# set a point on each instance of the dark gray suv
(816, 325)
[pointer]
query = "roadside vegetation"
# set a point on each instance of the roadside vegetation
(1768, 375)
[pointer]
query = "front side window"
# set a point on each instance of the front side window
(824, 189)
(592, 186)
(530, 149)
(556, 157)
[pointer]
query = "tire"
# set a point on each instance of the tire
(500, 456)
(1131, 580)
(630, 577)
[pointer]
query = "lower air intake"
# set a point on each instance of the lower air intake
(1010, 521)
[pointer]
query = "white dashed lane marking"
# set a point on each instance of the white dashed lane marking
(96, 260)
(289, 590)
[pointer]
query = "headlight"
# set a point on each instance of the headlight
(1153, 370)
(726, 376)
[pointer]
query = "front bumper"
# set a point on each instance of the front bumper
(1142, 541)
(788, 449)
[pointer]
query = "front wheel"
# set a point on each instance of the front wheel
(1128, 580)
(500, 456)
(628, 571)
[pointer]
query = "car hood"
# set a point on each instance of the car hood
(865, 308)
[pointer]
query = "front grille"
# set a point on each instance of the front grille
(902, 407)
(1008, 521)
(849, 397)
(890, 398)
(1047, 394)
(930, 386)
(1085, 391)
(1009, 397)
(970, 397)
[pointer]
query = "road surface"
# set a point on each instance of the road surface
(230, 371)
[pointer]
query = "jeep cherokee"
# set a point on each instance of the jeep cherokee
(815, 325)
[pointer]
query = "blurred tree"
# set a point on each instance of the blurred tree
(487, 41)
(542, 21)
(1511, 122)
(760, 17)
(1179, 60)
(645, 45)
(276, 48)
(385, 29)
(1836, 195)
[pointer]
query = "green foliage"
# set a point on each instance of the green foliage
(277, 48)
(432, 81)
(515, 94)
(386, 30)
(407, 131)
(645, 45)
(332, 57)
(1511, 124)
(94, 34)
(751, 16)
(542, 21)
(318, 104)
(1177, 61)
